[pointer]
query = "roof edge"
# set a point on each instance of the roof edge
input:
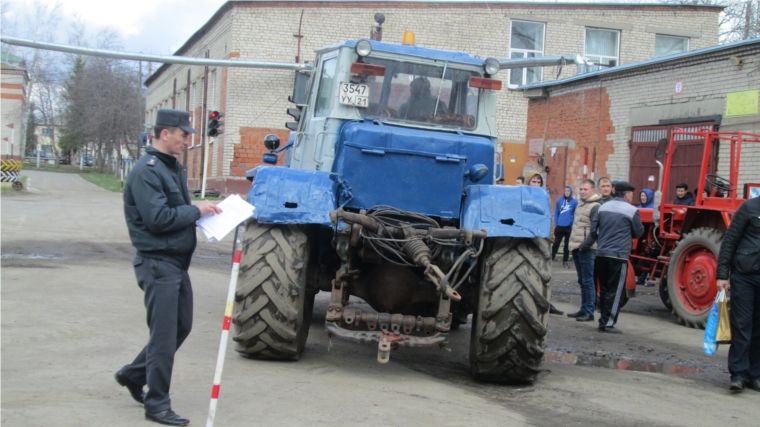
(641, 64)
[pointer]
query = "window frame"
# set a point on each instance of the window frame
(586, 54)
(525, 52)
(688, 43)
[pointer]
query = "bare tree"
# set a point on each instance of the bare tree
(740, 19)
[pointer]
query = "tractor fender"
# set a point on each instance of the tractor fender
(291, 196)
(507, 211)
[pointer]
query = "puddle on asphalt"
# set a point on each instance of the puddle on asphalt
(31, 256)
(620, 364)
(199, 256)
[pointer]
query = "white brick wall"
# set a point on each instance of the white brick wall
(705, 78)
(258, 98)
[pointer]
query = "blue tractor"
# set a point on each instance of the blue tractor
(388, 195)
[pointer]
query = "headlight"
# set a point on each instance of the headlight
(363, 48)
(491, 66)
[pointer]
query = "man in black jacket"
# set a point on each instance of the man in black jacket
(740, 258)
(161, 223)
(615, 225)
(683, 197)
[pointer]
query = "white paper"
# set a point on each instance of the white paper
(234, 211)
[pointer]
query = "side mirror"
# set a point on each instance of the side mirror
(477, 172)
(272, 142)
(300, 88)
(662, 146)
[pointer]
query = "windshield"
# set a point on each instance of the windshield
(418, 93)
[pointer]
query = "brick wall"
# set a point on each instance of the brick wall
(644, 96)
(261, 31)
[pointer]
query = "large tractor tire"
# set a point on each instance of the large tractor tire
(273, 305)
(509, 322)
(691, 276)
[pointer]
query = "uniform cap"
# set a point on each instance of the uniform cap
(622, 186)
(174, 118)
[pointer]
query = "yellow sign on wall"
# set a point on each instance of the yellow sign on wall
(742, 103)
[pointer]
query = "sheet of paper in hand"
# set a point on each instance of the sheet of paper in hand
(234, 211)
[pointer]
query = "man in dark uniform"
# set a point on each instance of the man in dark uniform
(161, 223)
(616, 223)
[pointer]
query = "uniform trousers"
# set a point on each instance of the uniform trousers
(744, 353)
(169, 305)
(612, 273)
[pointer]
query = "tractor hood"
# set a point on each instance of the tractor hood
(416, 170)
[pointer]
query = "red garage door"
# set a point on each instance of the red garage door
(687, 157)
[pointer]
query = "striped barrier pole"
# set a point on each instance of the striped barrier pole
(236, 256)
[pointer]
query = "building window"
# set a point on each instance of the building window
(526, 41)
(45, 131)
(602, 47)
(668, 45)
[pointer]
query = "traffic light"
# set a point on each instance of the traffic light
(300, 91)
(214, 123)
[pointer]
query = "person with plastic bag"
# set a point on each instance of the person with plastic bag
(739, 260)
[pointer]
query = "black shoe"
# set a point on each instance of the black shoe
(167, 417)
(576, 314)
(610, 330)
(553, 310)
(565, 265)
(585, 317)
(754, 385)
(737, 385)
(135, 389)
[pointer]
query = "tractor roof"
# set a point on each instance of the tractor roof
(411, 50)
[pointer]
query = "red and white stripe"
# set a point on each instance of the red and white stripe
(237, 255)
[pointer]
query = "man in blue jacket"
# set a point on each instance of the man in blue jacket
(564, 212)
(614, 227)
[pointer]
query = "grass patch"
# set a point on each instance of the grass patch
(105, 181)
(6, 188)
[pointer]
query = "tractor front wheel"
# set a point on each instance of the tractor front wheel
(509, 322)
(273, 305)
(691, 276)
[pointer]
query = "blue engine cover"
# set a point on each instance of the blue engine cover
(410, 169)
(291, 196)
(507, 211)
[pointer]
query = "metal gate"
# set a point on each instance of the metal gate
(687, 157)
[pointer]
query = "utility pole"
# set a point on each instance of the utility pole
(204, 140)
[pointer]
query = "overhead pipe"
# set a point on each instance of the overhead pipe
(165, 59)
(546, 61)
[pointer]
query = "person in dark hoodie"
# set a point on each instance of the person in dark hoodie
(564, 212)
(684, 197)
(646, 197)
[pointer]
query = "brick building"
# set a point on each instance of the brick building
(255, 100)
(608, 122)
(13, 105)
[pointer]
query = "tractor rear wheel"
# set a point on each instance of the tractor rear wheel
(509, 322)
(691, 273)
(273, 305)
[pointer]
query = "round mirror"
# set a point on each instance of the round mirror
(271, 142)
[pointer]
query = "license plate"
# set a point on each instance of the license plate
(354, 94)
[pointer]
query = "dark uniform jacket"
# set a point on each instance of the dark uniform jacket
(615, 225)
(160, 217)
(740, 248)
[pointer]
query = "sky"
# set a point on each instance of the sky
(149, 26)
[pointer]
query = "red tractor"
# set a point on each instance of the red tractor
(680, 245)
